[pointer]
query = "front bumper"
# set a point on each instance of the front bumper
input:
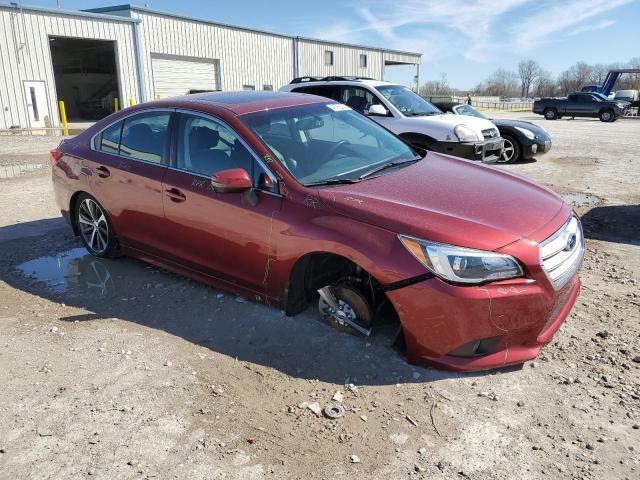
(488, 151)
(438, 319)
(536, 147)
(499, 323)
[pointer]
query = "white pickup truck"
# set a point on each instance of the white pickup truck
(408, 115)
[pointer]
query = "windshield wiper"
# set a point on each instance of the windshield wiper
(423, 114)
(387, 165)
(331, 181)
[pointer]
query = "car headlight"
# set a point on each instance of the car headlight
(462, 265)
(527, 133)
(465, 134)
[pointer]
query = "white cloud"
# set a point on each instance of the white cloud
(550, 20)
(591, 28)
(479, 30)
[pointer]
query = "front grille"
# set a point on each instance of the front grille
(490, 133)
(561, 254)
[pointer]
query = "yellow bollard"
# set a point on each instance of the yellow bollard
(158, 97)
(116, 105)
(63, 118)
(131, 104)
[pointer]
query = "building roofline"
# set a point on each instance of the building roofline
(72, 13)
(363, 47)
(137, 8)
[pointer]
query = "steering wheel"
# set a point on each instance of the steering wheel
(334, 149)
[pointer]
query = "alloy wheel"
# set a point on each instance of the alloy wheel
(93, 225)
(507, 152)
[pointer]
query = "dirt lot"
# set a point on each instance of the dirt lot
(114, 369)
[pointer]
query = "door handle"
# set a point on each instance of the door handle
(103, 172)
(175, 195)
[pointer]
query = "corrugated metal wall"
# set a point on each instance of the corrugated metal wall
(346, 60)
(245, 57)
(25, 55)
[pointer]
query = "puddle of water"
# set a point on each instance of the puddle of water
(582, 199)
(73, 270)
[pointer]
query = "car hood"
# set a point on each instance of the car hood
(503, 122)
(477, 124)
(449, 200)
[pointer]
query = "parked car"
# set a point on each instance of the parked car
(408, 115)
(581, 104)
(521, 139)
(294, 199)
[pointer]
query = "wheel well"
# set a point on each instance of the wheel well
(72, 211)
(318, 269)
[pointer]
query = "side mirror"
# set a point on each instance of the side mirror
(232, 180)
(377, 111)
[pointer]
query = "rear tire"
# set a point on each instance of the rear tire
(607, 116)
(511, 152)
(550, 114)
(95, 229)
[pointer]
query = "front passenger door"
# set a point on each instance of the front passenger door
(223, 235)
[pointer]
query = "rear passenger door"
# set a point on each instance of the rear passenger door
(223, 235)
(130, 161)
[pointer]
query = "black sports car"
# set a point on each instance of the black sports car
(521, 139)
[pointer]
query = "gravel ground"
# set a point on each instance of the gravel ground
(115, 369)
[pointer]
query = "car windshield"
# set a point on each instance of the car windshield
(409, 104)
(328, 143)
(469, 111)
(600, 96)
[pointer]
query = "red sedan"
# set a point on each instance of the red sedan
(291, 199)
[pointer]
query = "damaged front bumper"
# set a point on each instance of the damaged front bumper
(484, 327)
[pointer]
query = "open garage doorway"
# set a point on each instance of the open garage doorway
(86, 76)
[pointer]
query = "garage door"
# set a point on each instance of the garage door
(178, 75)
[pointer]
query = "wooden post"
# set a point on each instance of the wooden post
(63, 118)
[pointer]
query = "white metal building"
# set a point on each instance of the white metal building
(94, 59)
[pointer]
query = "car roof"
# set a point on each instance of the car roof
(243, 102)
(355, 82)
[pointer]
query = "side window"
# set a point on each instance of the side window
(144, 136)
(328, 92)
(109, 140)
(206, 147)
(359, 99)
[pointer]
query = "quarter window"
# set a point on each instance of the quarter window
(109, 140)
(144, 136)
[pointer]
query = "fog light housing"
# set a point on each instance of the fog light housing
(534, 148)
(477, 348)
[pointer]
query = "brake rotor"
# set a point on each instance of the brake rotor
(346, 309)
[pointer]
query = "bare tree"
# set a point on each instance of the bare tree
(545, 84)
(502, 83)
(528, 70)
(436, 87)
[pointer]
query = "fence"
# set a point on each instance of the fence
(487, 103)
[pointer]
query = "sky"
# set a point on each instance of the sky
(465, 39)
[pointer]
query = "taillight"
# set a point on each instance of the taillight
(55, 155)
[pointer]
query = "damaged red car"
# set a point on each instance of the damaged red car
(295, 200)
